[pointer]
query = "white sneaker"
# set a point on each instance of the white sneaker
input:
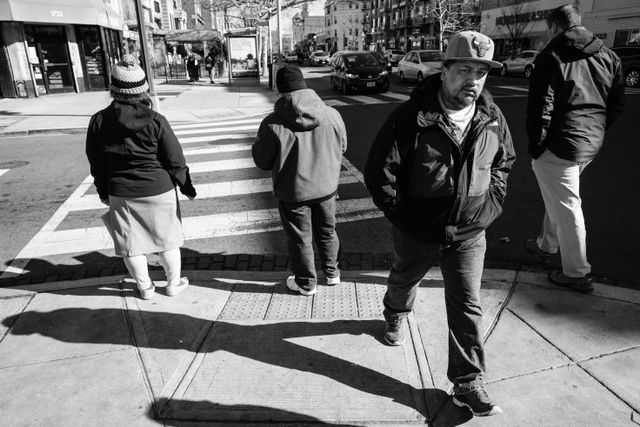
(332, 281)
(174, 290)
(306, 291)
(148, 292)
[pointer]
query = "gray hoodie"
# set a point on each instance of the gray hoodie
(302, 143)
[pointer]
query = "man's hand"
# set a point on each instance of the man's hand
(105, 202)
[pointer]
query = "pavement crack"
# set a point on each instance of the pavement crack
(60, 359)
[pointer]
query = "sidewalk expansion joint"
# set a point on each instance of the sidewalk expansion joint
(60, 359)
(577, 363)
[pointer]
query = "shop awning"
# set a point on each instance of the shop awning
(84, 12)
(194, 35)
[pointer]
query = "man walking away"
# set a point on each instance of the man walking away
(302, 143)
(576, 93)
(438, 170)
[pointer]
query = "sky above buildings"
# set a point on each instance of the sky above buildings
(316, 8)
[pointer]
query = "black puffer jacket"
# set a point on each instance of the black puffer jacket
(576, 93)
(429, 186)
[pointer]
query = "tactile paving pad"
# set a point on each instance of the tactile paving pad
(286, 304)
(336, 302)
(370, 299)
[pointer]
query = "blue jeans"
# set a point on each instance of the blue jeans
(303, 222)
(461, 264)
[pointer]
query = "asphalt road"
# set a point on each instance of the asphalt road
(56, 165)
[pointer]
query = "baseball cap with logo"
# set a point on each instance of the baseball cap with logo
(471, 46)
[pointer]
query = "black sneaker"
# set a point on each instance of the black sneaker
(394, 331)
(579, 284)
(478, 402)
(307, 290)
(531, 245)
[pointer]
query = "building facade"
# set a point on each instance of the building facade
(522, 24)
(343, 29)
(58, 46)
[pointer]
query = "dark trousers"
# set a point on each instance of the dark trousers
(461, 265)
(303, 223)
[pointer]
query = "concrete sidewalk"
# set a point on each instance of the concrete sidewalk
(238, 347)
(70, 112)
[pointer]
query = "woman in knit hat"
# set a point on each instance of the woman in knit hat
(136, 162)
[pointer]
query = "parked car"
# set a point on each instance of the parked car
(358, 71)
(290, 56)
(382, 60)
(319, 57)
(522, 63)
(418, 64)
(630, 57)
(395, 55)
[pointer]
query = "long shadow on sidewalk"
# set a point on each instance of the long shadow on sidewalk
(267, 343)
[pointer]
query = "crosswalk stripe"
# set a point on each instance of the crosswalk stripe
(3, 171)
(221, 123)
(212, 138)
(335, 103)
(210, 191)
(197, 227)
(226, 148)
(516, 88)
(221, 165)
(400, 96)
(216, 130)
(367, 99)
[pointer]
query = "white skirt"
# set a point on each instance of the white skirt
(145, 225)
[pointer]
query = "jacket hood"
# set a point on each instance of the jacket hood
(425, 96)
(576, 43)
(127, 117)
(301, 109)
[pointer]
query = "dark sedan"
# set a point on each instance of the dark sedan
(359, 71)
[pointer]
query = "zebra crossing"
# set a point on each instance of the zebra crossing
(233, 196)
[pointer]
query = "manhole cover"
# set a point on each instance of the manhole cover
(13, 164)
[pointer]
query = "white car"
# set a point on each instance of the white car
(319, 57)
(418, 64)
(290, 56)
(395, 55)
(522, 63)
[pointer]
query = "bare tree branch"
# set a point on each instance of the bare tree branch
(516, 18)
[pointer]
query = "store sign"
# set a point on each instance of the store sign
(57, 13)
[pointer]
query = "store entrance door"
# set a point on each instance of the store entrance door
(49, 57)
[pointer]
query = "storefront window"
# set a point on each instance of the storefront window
(92, 57)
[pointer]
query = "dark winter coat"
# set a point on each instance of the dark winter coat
(427, 184)
(133, 152)
(302, 143)
(576, 93)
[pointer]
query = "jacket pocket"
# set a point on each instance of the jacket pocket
(485, 151)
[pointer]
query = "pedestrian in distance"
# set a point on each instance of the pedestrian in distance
(208, 64)
(193, 68)
(438, 170)
(302, 142)
(136, 162)
(576, 93)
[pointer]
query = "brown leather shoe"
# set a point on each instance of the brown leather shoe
(580, 284)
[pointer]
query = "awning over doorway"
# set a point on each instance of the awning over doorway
(85, 12)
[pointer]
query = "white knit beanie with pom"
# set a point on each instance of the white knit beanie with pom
(127, 77)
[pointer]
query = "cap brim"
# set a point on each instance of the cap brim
(491, 64)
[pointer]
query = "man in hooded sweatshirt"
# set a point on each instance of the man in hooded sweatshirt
(575, 94)
(302, 142)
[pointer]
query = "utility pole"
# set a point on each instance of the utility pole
(146, 59)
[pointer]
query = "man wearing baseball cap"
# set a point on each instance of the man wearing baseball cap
(438, 170)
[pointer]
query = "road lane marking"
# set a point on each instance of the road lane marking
(211, 190)
(516, 88)
(213, 124)
(226, 148)
(214, 130)
(400, 96)
(335, 103)
(90, 239)
(368, 99)
(212, 138)
(221, 165)
(3, 171)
